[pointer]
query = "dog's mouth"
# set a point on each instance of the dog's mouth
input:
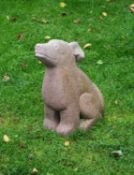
(45, 59)
(40, 55)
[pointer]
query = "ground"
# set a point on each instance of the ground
(108, 25)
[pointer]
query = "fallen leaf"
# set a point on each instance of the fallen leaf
(116, 102)
(20, 36)
(66, 143)
(77, 21)
(131, 7)
(11, 18)
(30, 157)
(62, 4)
(34, 171)
(42, 21)
(6, 138)
(87, 45)
(100, 62)
(90, 29)
(47, 37)
(76, 169)
(8, 18)
(63, 14)
(39, 62)
(104, 14)
(117, 153)
(22, 145)
(6, 78)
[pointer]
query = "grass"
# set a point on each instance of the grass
(21, 105)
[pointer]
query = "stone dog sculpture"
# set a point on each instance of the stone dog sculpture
(67, 91)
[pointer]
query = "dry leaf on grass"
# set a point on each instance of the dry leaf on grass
(30, 157)
(90, 29)
(22, 145)
(39, 62)
(42, 21)
(6, 78)
(66, 143)
(47, 37)
(100, 62)
(20, 36)
(11, 18)
(104, 14)
(63, 14)
(62, 4)
(87, 45)
(131, 7)
(6, 138)
(116, 102)
(77, 21)
(8, 17)
(117, 153)
(75, 169)
(34, 171)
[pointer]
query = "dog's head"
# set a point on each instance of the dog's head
(58, 52)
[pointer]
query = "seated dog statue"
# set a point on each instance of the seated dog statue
(71, 99)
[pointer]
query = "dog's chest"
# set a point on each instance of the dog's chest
(53, 90)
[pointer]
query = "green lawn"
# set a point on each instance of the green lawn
(23, 23)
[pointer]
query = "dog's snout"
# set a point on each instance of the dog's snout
(39, 47)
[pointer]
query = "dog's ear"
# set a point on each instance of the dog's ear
(77, 51)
